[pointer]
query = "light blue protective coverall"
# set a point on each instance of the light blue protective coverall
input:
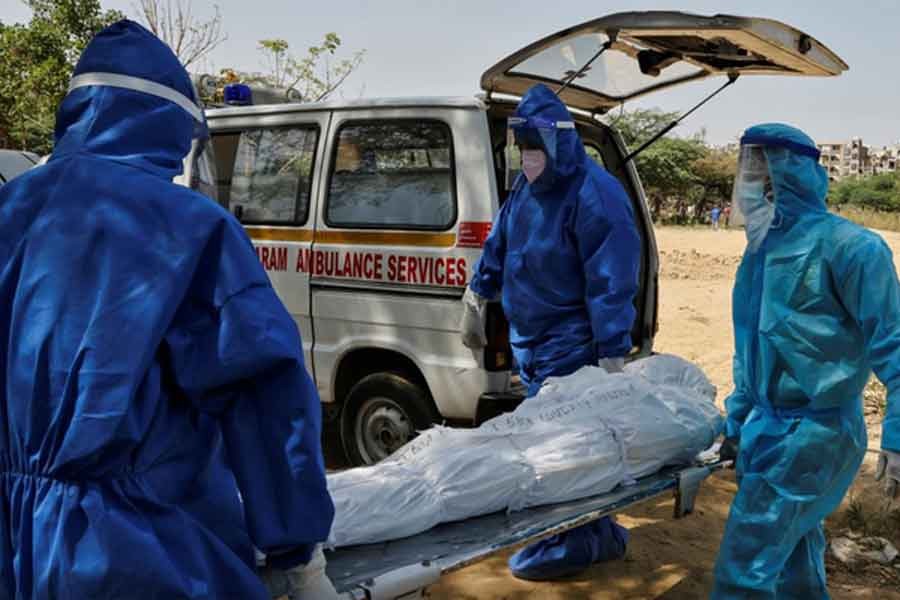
(816, 308)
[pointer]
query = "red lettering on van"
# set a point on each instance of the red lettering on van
(413, 269)
(320, 263)
(379, 266)
(392, 268)
(451, 271)
(463, 270)
(472, 234)
(425, 274)
(401, 268)
(440, 271)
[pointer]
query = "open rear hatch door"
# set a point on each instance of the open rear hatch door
(606, 62)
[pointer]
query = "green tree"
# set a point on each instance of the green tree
(683, 177)
(715, 173)
(316, 75)
(36, 62)
(878, 192)
(666, 167)
(638, 126)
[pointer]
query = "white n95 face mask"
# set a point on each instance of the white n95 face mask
(533, 164)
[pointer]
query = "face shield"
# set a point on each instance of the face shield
(200, 170)
(200, 164)
(753, 198)
(534, 133)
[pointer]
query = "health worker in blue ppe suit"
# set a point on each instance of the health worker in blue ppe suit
(564, 253)
(158, 424)
(816, 308)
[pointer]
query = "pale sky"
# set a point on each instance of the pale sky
(432, 47)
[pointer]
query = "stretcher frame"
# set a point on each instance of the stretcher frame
(404, 569)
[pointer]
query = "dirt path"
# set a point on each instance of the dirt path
(670, 559)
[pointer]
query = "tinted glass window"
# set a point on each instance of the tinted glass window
(615, 73)
(397, 175)
(265, 175)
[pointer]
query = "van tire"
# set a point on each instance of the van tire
(383, 411)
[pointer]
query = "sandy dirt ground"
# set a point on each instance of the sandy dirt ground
(669, 559)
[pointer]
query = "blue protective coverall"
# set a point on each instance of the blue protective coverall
(815, 309)
(150, 379)
(565, 253)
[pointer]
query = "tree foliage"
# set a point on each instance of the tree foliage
(37, 59)
(878, 193)
(316, 75)
(638, 126)
(36, 62)
(683, 177)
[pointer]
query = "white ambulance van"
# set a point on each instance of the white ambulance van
(369, 216)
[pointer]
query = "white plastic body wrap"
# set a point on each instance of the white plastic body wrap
(582, 435)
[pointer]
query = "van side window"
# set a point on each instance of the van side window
(393, 174)
(265, 175)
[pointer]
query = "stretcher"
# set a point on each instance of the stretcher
(403, 569)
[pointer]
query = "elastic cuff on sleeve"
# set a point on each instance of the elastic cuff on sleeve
(300, 555)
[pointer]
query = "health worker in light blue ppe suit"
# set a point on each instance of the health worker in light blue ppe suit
(816, 308)
(158, 423)
(564, 253)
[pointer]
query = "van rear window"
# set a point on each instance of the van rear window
(265, 175)
(393, 174)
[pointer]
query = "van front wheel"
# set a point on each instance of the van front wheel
(382, 413)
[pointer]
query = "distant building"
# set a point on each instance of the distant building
(835, 159)
(855, 159)
(885, 160)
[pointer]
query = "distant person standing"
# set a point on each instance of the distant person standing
(726, 215)
(715, 214)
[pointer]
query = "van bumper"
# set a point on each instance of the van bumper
(494, 404)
